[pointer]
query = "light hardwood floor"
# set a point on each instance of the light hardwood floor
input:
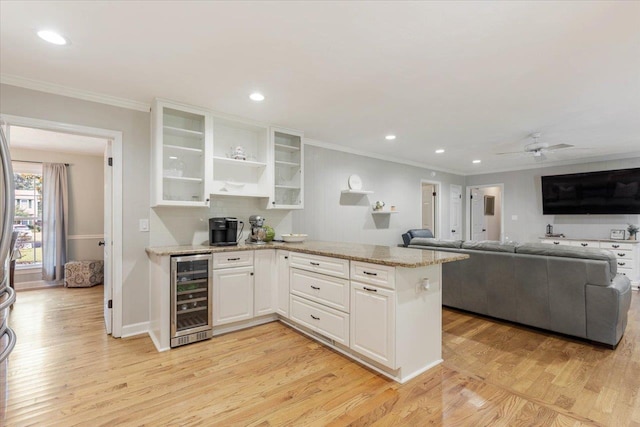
(65, 371)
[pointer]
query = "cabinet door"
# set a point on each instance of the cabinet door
(265, 281)
(373, 323)
(232, 295)
(287, 158)
(182, 144)
(283, 283)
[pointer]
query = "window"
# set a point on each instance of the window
(28, 213)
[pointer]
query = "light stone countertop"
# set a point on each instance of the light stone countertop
(591, 239)
(384, 255)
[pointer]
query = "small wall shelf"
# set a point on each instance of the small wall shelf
(171, 130)
(286, 147)
(236, 162)
(360, 192)
(383, 212)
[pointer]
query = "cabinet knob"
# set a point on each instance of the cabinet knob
(621, 263)
(615, 246)
(619, 254)
(584, 244)
(286, 257)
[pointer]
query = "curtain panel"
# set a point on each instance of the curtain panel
(54, 220)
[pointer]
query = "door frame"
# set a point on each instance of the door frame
(468, 218)
(438, 209)
(117, 201)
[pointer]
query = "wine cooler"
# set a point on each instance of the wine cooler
(191, 293)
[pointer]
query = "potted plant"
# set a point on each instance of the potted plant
(633, 230)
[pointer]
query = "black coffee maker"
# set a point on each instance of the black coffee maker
(224, 231)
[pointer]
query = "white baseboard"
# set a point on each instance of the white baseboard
(135, 329)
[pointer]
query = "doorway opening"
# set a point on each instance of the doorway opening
(485, 216)
(430, 206)
(34, 141)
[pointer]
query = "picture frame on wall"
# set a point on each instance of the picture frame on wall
(618, 234)
(489, 205)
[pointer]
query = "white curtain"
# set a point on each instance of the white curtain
(54, 220)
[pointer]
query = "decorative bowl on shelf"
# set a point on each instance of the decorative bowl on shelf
(294, 238)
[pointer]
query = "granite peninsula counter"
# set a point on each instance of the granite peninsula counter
(391, 256)
(378, 305)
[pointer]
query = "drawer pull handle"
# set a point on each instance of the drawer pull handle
(621, 263)
(556, 243)
(314, 317)
(315, 287)
(233, 259)
(370, 274)
(314, 263)
(619, 254)
(584, 244)
(369, 289)
(615, 246)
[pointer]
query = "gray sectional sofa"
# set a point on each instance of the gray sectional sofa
(573, 291)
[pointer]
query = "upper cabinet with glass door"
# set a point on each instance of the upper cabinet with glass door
(182, 143)
(287, 147)
(240, 154)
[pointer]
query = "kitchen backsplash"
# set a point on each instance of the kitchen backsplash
(190, 226)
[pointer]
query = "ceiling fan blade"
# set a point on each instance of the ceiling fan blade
(509, 152)
(559, 147)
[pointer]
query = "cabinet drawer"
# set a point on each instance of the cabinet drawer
(555, 242)
(232, 259)
(622, 255)
(324, 320)
(326, 290)
(617, 245)
(624, 264)
(626, 271)
(320, 264)
(585, 244)
(379, 275)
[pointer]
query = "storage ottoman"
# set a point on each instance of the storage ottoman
(83, 274)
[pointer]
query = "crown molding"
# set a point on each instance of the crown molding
(341, 148)
(85, 95)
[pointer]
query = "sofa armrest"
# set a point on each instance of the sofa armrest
(607, 308)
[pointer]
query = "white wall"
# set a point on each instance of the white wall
(523, 198)
(332, 216)
(86, 199)
(135, 127)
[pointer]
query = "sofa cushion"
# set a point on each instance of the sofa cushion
(422, 241)
(416, 232)
(489, 245)
(570, 252)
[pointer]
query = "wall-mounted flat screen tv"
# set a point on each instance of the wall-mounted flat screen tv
(603, 192)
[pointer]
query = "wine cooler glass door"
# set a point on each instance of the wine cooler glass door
(191, 294)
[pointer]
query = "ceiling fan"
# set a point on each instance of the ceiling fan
(538, 149)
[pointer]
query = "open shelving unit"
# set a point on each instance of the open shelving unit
(288, 175)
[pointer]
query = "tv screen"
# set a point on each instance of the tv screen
(604, 192)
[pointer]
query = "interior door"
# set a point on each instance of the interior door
(108, 253)
(455, 211)
(478, 226)
(428, 206)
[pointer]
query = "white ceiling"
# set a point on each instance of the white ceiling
(38, 139)
(474, 78)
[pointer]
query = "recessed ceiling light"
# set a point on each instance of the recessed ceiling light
(256, 96)
(439, 151)
(390, 137)
(476, 161)
(52, 37)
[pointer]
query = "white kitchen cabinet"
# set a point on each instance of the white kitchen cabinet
(326, 321)
(373, 323)
(287, 165)
(181, 146)
(265, 284)
(283, 283)
(233, 290)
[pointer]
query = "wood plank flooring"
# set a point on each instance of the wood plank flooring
(65, 371)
